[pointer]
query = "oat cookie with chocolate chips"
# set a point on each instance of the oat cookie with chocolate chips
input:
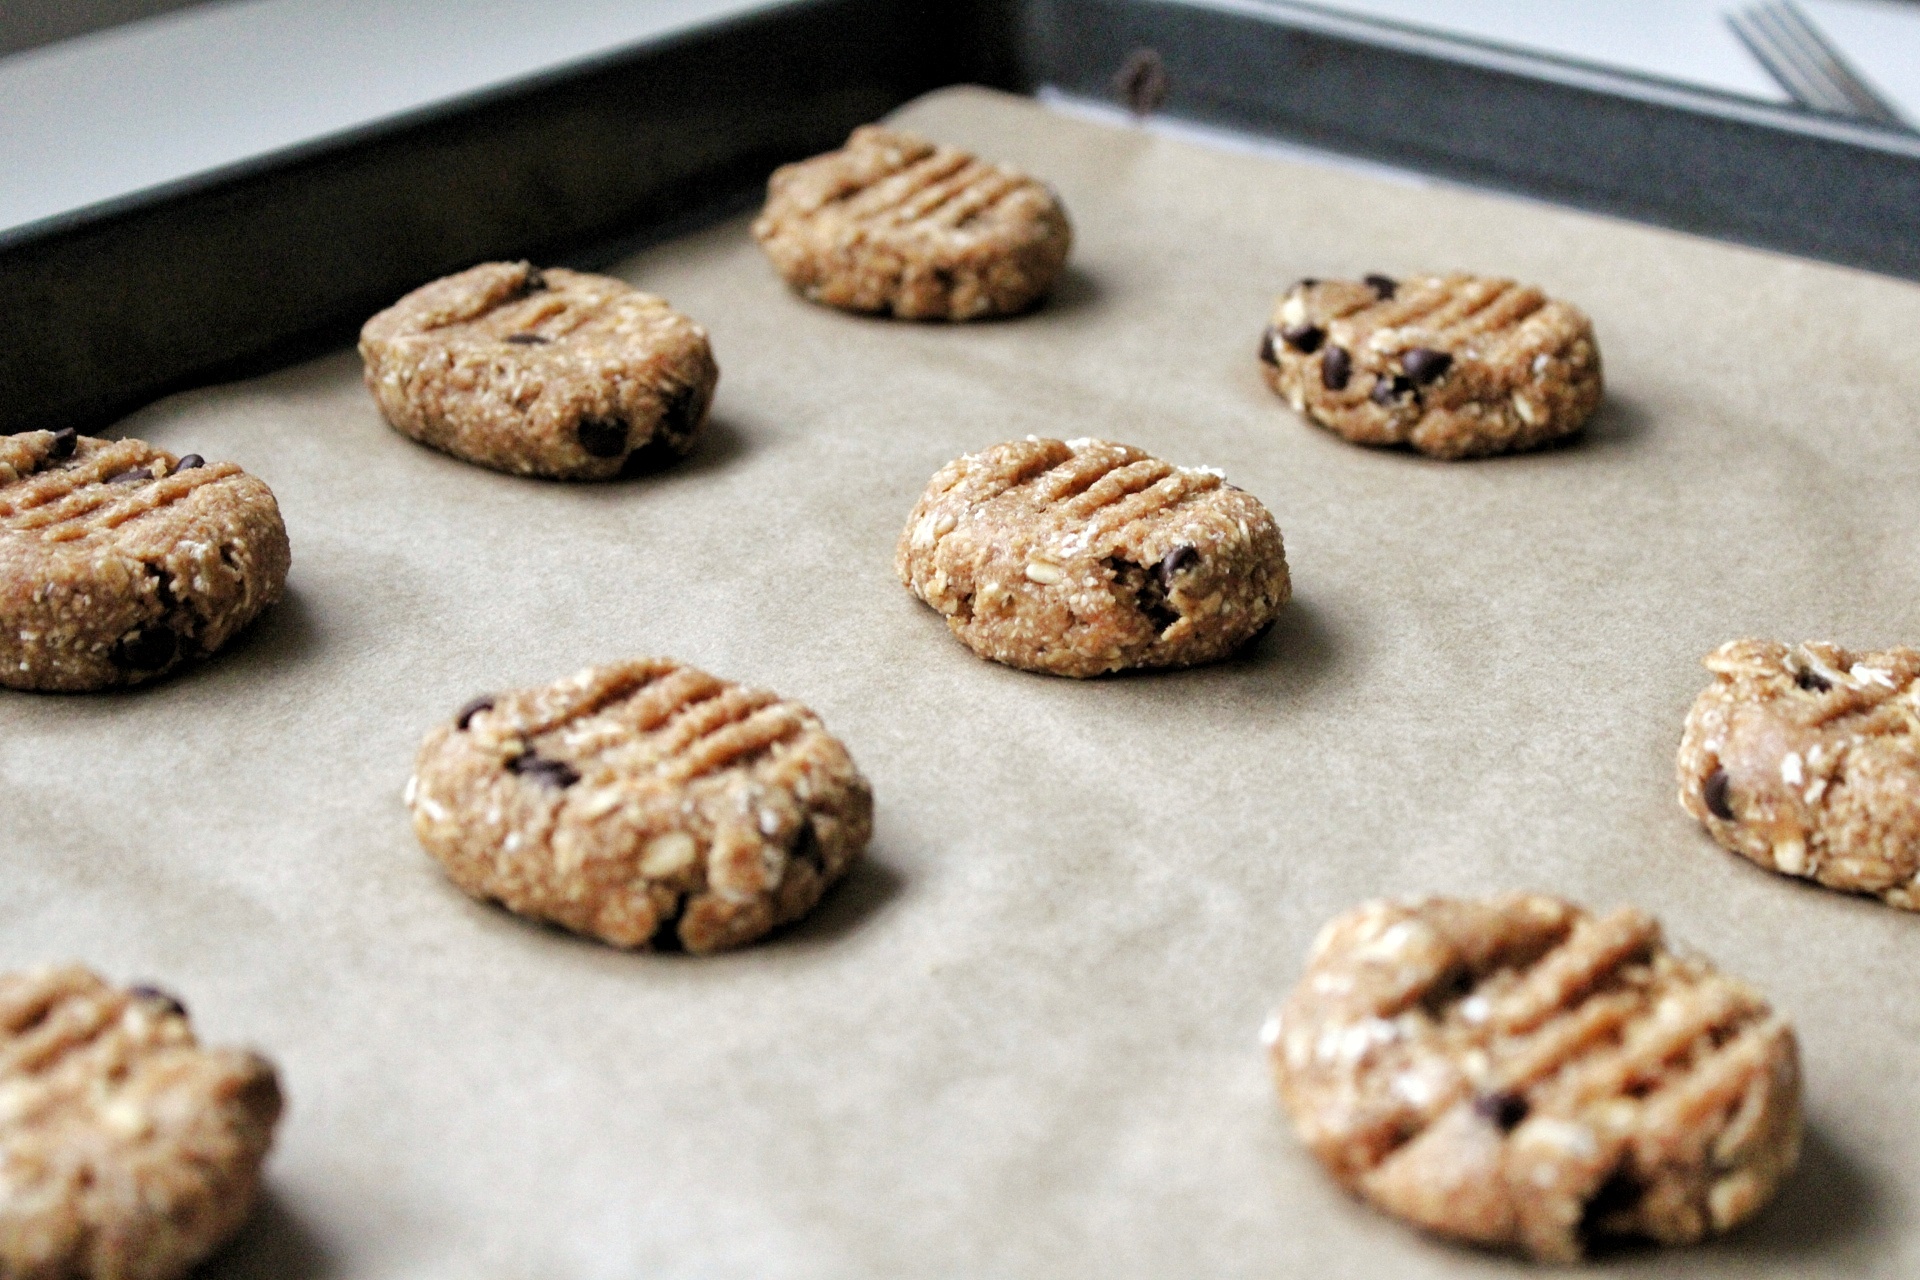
(643, 803)
(119, 561)
(1520, 1074)
(127, 1150)
(545, 373)
(1081, 557)
(1455, 366)
(893, 223)
(1806, 760)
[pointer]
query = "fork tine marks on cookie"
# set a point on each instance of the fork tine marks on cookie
(1442, 1064)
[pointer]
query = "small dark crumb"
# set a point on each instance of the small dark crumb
(133, 476)
(1715, 794)
(1306, 282)
(1304, 338)
(1384, 286)
(154, 995)
(1267, 353)
(526, 339)
(1505, 1108)
(1336, 367)
(1812, 681)
(65, 441)
(1424, 364)
(188, 463)
(1142, 82)
(534, 282)
(603, 437)
(553, 773)
(1178, 560)
(463, 717)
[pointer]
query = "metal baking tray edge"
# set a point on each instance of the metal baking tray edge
(111, 306)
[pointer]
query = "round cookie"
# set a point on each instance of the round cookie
(1083, 557)
(893, 223)
(1455, 366)
(545, 373)
(1806, 760)
(641, 803)
(1522, 1075)
(119, 561)
(127, 1151)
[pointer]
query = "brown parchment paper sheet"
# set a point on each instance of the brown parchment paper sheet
(1022, 1039)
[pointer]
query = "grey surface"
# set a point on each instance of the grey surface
(1021, 1041)
(25, 24)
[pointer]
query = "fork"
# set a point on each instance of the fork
(1806, 64)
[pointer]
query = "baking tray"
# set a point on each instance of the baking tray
(1021, 1039)
(230, 271)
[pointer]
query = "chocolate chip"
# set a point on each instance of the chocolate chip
(1304, 338)
(154, 995)
(806, 846)
(162, 587)
(1178, 560)
(1424, 364)
(534, 282)
(134, 476)
(1812, 681)
(1306, 282)
(188, 463)
(680, 416)
(146, 650)
(464, 716)
(1384, 286)
(553, 773)
(1715, 794)
(603, 437)
(65, 441)
(1335, 368)
(1267, 354)
(1142, 82)
(1505, 1108)
(527, 339)
(1387, 390)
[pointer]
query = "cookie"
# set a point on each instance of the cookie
(1455, 366)
(893, 223)
(1805, 760)
(541, 373)
(642, 803)
(127, 1151)
(1523, 1075)
(119, 561)
(1082, 557)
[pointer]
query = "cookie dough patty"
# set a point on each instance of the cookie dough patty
(1806, 760)
(127, 1151)
(545, 373)
(120, 561)
(893, 223)
(1520, 1074)
(1082, 557)
(642, 803)
(1455, 366)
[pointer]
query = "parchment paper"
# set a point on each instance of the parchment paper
(1022, 1039)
